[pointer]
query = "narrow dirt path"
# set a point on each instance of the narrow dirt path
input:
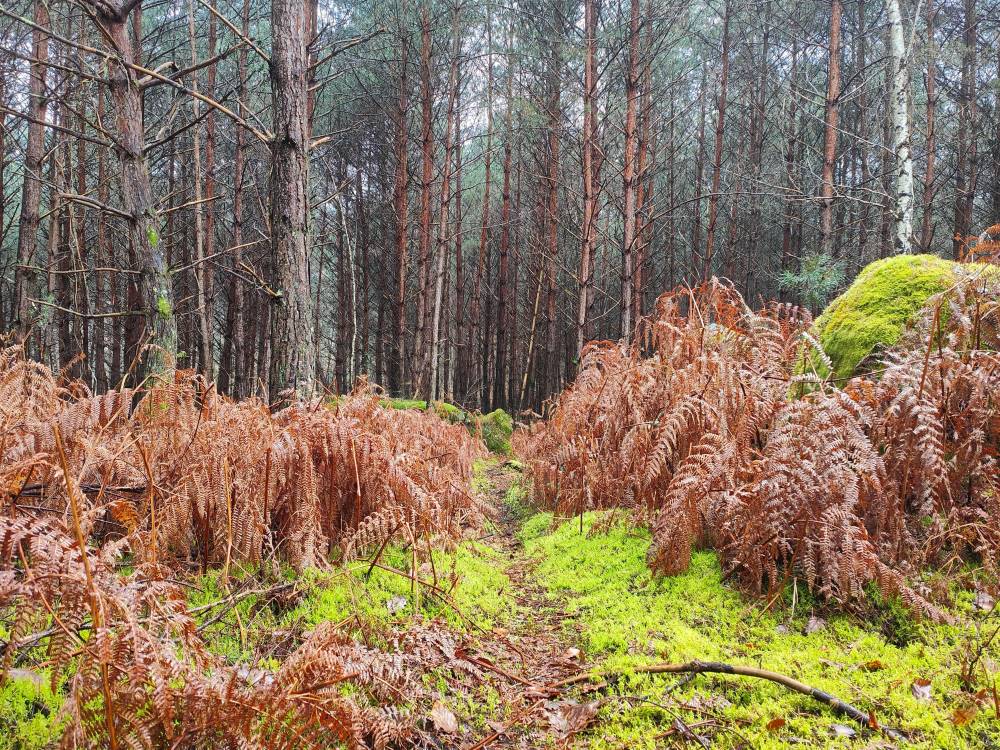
(537, 645)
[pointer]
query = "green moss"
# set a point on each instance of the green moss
(29, 712)
(163, 307)
(473, 573)
(876, 307)
(626, 618)
(406, 403)
(497, 427)
(479, 596)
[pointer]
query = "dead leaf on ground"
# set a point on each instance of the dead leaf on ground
(842, 730)
(964, 714)
(444, 719)
(775, 724)
(569, 717)
(921, 689)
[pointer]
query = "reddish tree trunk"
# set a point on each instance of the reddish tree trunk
(831, 120)
(720, 129)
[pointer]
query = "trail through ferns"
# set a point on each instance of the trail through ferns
(181, 570)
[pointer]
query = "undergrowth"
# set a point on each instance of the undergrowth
(468, 591)
(29, 711)
(629, 617)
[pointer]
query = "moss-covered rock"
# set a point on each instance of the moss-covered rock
(875, 309)
(497, 427)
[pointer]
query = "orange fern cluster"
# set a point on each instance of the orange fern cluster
(180, 473)
(693, 427)
(142, 676)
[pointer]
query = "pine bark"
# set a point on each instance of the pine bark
(293, 353)
(830, 128)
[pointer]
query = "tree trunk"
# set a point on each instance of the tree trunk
(401, 205)
(965, 163)
(830, 120)
(153, 290)
(587, 229)
(293, 353)
(629, 171)
(903, 213)
(930, 85)
(420, 339)
(31, 191)
(720, 130)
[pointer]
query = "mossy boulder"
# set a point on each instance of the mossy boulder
(497, 427)
(876, 308)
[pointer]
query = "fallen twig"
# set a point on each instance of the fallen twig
(700, 667)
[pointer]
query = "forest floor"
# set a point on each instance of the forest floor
(504, 626)
(582, 598)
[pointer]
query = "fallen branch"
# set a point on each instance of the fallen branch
(701, 667)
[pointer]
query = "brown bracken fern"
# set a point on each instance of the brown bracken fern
(696, 427)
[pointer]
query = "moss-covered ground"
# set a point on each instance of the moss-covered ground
(627, 618)
(465, 588)
(533, 590)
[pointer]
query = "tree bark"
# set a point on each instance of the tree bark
(720, 130)
(830, 120)
(965, 163)
(421, 339)
(31, 191)
(629, 171)
(293, 352)
(587, 229)
(401, 205)
(930, 85)
(903, 212)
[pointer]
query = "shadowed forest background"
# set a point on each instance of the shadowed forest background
(478, 188)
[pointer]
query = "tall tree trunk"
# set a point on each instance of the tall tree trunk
(200, 271)
(420, 339)
(31, 190)
(236, 344)
(903, 213)
(442, 239)
(830, 120)
(504, 296)
(293, 352)
(153, 290)
(643, 171)
(699, 174)
(965, 163)
(548, 381)
(930, 85)
(720, 130)
(629, 171)
(401, 205)
(484, 227)
(588, 227)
